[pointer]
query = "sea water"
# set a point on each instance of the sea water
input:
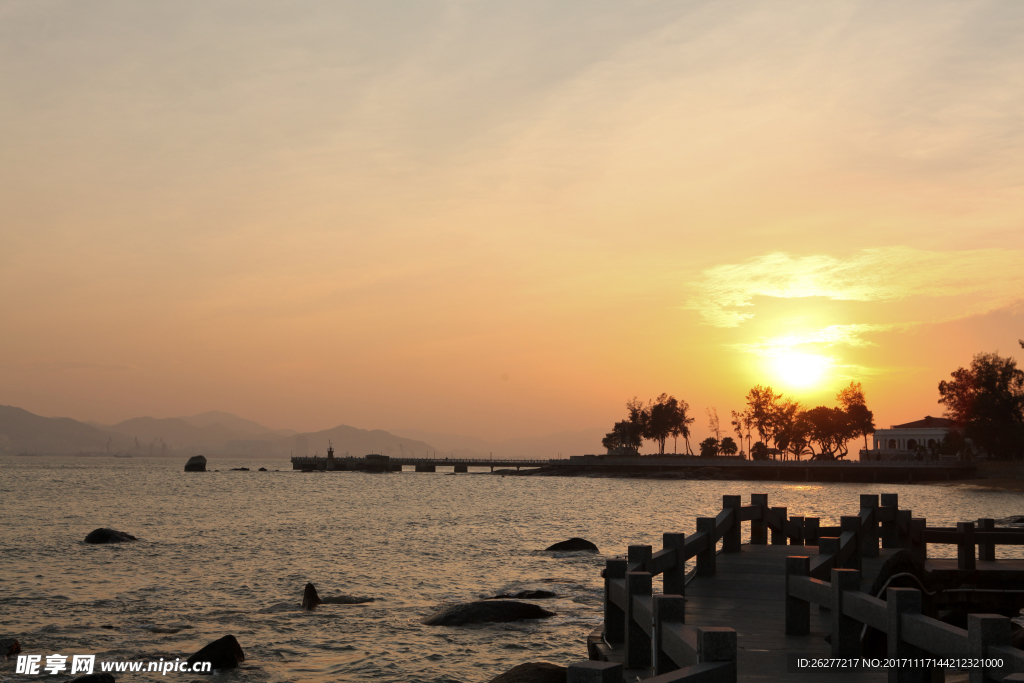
(229, 552)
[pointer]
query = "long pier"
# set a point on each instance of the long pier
(816, 604)
(730, 468)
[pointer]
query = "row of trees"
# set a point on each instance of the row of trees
(660, 419)
(821, 433)
(986, 405)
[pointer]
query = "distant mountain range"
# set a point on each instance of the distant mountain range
(217, 432)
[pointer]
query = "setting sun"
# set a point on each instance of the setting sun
(801, 370)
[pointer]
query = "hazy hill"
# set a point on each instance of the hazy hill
(548, 446)
(25, 432)
(354, 441)
(180, 435)
(235, 423)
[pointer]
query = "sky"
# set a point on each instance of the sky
(503, 219)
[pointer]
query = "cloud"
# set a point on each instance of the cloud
(832, 335)
(982, 280)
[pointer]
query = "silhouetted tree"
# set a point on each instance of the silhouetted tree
(986, 404)
(830, 428)
(762, 406)
(681, 425)
(728, 446)
(713, 423)
(861, 419)
(741, 424)
(662, 419)
(759, 451)
(709, 447)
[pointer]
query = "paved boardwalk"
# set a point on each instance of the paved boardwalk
(747, 594)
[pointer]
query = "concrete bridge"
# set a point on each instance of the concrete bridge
(727, 467)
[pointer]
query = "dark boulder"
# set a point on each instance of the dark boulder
(533, 672)
(345, 600)
(196, 463)
(486, 611)
(108, 536)
(310, 599)
(574, 544)
(9, 647)
(525, 595)
(262, 469)
(223, 653)
(94, 678)
(239, 469)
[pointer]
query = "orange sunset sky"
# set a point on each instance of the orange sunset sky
(503, 219)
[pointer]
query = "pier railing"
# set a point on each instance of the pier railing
(651, 632)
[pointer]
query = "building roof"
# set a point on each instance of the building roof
(928, 422)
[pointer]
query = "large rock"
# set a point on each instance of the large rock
(223, 653)
(486, 611)
(345, 600)
(94, 678)
(525, 595)
(108, 536)
(9, 647)
(574, 544)
(533, 672)
(310, 599)
(196, 463)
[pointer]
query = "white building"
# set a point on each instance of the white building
(905, 439)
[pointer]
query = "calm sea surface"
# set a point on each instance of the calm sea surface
(230, 552)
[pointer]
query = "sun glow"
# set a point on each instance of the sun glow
(801, 370)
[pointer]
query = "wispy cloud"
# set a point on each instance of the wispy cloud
(990, 279)
(832, 335)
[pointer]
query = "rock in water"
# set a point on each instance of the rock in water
(108, 536)
(310, 599)
(262, 469)
(485, 611)
(533, 672)
(345, 600)
(94, 678)
(9, 647)
(196, 463)
(525, 595)
(574, 544)
(223, 653)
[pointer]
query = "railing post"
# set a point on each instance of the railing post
(811, 533)
(731, 539)
(799, 521)
(918, 545)
(594, 672)
(638, 557)
(798, 612)
(986, 551)
(758, 535)
(869, 536)
(890, 530)
(985, 631)
(904, 519)
(614, 616)
(674, 578)
(779, 535)
(667, 609)
(718, 644)
(900, 601)
(706, 557)
(965, 557)
(638, 643)
(845, 630)
(852, 524)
